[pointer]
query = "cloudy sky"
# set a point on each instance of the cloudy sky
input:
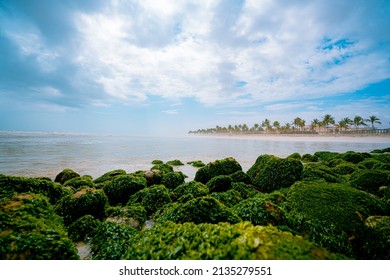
(167, 67)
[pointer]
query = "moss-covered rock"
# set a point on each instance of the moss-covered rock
(332, 215)
(188, 191)
(271, 173)
(296, 156)
(225, 166)
(372, 163)
(219, 183)
(229, 198)
(199, 210)
(326, 155)
(315, 171)
(377, 241)
(157, 161)
(242, 241)
(80, 182)
(122, 187)
(152, 198)
(196, 163)
(175, 162)
(11, 184)
(133, 215)
(111, 240)
(87, 201)
(381, 151)
(345, 168)
(153, 177)
(260, 210)
(65, 175)
(163, 168)
(310, 158)
(172, 180)
(108, 176)
(370, 180)
(83, 228)
(30, 229)
(385, 158)
(352, 157)
(240, 176)
(245, 190)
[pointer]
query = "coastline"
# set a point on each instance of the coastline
(354, 138)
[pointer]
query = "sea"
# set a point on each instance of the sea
(36, 154)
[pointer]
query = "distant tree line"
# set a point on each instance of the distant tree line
(298, 126)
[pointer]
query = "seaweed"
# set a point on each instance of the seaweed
(111, 240)
(199, 210)
(271, 173)
(65, 175)
(87, 201)
(225, 166)
(120, 189)
(152, 198)
(11, 184)
(30, 229)
(332, 215)
(222, 241)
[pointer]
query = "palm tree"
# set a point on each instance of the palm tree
(286, 127)
(297, 122)
(373, 119)
(315, 123)
(328, 119)
(276, 124)
(267, 124)
(344, 123)
(358, 121)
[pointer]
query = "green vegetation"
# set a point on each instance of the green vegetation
(225, 166)
(175, 162)
(31, 230)
(133, 216)
(109, 176)
(197, 163)
(327, 125)
(377, 239)
(271, 173)
(332, 215)
(188, 191)
(65, 175)
(83, 228)
(10, 184)
(223, 241)
(87, 201)
(172, 179)
(122, 187)
(323, 206)
(111, 240)
(152, 198)
(199, 210)
(78, 183)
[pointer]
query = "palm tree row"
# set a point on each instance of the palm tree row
(298, 125)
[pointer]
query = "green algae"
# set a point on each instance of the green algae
(222, 241)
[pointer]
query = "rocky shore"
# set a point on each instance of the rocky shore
(325, 205)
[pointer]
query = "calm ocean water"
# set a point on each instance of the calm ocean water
(46, 154)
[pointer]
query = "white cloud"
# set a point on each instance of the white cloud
(171, 112)
(281, 49)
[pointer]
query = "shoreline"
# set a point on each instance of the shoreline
(356, 138)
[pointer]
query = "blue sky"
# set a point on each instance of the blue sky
(167, 67)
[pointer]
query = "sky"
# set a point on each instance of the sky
(166, 67)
